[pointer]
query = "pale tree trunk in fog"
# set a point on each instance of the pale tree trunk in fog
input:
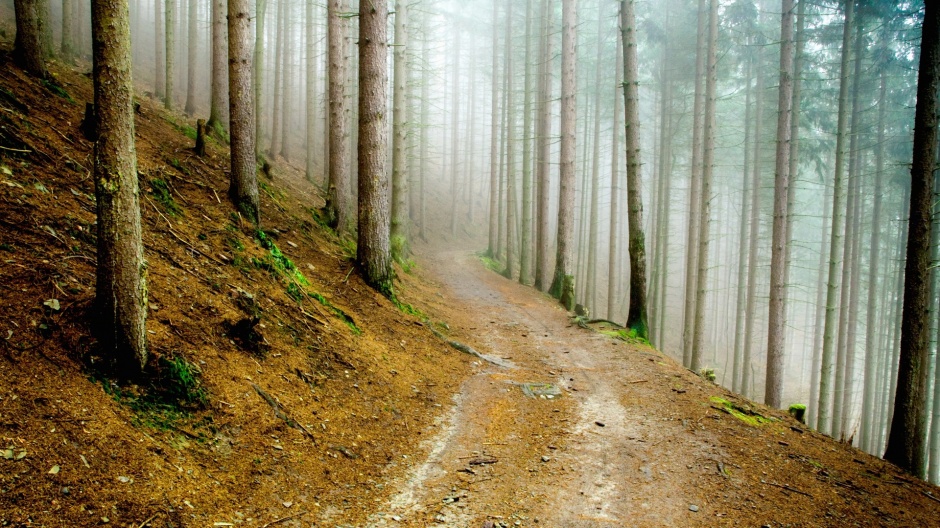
(243, 186)
(276, 111)
(525, 245)
(872, 352)
(258, 78)
(510, 147)
(338, 208)
(708, 168)
(373, 252)
(400, 231)
(425, 128)
(812, 409)
(897, 306)
(311, 90)
(663, 211)
(754, 231)
(849, 257)
(493, 239)
(121, 278)
(563, 286)
(287, 80)
(740, 314)
(454, 116)
(777, 319)
(159, 50)
(170, 53)
(636, 317)
(691, 249)
(833, 287)
(590, 286)
(907, 442)
(543, 149)
(613, 260)
(217, 102)
(28, 50)
(67, 49)
(191, 57)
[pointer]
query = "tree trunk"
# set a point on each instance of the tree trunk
(543, 150)
(121, 279)
(217, 98)
(708, 167)
(823, 418)
(590, 286)
(612, 259)
(27, 47)
(287, 68)
(159, 50)
(373, 252)
(777, 319)
(754, 230)
(740, 314)
(425, 127)
(67, 49)
(907, 440)
(525, 246)
(338, 209)
(277, 111)
(563, 286)
(170, 53)
(258, 74)
(510, 148)
(243, 186)
(691, 250)
(454, 133)
(311, 89)
(400, 229)
(812, 410)
(192, 49)
(636, 317)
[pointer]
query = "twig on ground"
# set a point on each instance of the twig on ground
(282, 519)
(152, 517)
(786, 487)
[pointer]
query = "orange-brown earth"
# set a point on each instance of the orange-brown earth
(350, 411)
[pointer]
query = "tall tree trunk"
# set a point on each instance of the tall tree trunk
(510, 147)
(543, 149)
(258, 75)
(277, 111)
(823, 417)
(708, 167)
(754, 230)
(400, 229)
(287, 80)
(454, 132)
(777, 319)
(563, 287)
(312, 90)
(425, 127)
(67, 48)
(907, 440)
(338, 207)
(525, 245)
(740, 314)
(192, 56)
(28, 47)
(170, 53)
(493, 240)
(121, 279)
(590, 286)
(612, 259)
(691, 250)
(813, 409)
(636, 316)
(374, 254)
(218, 97)
(159, 49)
(243, 187)
(664, 209)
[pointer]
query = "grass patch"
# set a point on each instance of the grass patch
(343, 316)
(745, 414)
(491, 264)
(409, 309)
(57, 90)
(161, 193)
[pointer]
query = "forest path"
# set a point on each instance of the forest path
(610, 451)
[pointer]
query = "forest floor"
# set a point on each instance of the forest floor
(340, 408)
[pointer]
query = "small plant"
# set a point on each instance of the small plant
(189, 132)
(708, 374)
(57, 90)
(409, 309)
(745, 414)
(490, 263)
(798, 411)
(182, 382)
(161, 193)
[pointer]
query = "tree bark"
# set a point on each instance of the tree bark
(338, 208)
(493, 231)
(907, 440)
(192, 54)
(170, 43)
(159, 50)
(740, 314)
(121, 280)
(373, 252)
(454, 133)
(67, 48)
(243, 184)
(563, 286)
(311, 91)
(543, 150)
(525, 245)
(218, 96)
(277, 111)
(287, 69)
(27, 47)
(613, 261)
(777, 318)
(400, 228)
(258, 74)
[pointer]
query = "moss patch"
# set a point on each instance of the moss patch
(745, 414)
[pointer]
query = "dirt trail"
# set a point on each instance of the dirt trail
(607, 452)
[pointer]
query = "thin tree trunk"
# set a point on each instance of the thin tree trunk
(312, 89)
(170, 53)
(708, 167)
(28, 50)
(777, 319)
(543, 135)
(121, 279)
(510, 146)
(746, 203)
(563, 287)
(823, 423)
(907, 441)
(277, 112)
(754, 231)
(192, 55)
(287, 103)
(590, 287)
(494, 226)
(243, 187)
(258, 74)
(374, 256)
(691, 251)
(338, 209)
(425, 127)
(159, 50)
(454, 133)
(400, 228)
(525, 245)
(67, 49)
(812, 410)
(612, 260)
(218, 99)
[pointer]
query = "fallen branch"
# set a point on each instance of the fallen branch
(282, 519)
(152, 517)
(462, 347)
(786, 487)
(15, 150)
(931, 497)
(280, 413)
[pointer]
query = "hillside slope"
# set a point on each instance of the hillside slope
(308, 411)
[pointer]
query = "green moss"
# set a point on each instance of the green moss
(798, 411)
(160, 191)
(491, 264)
(53, 87)
(746, 415)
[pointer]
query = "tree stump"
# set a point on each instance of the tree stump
(88, 128)
(200, 147)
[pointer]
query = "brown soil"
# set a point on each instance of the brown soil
(380, 425)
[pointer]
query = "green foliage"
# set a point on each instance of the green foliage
(490, 264)
(798, 411)
(343, 316)
(6, 247)
(218, 131)
(745, 414)
(57, 90)
(182, 383)
(161, 193)
(409, 309)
